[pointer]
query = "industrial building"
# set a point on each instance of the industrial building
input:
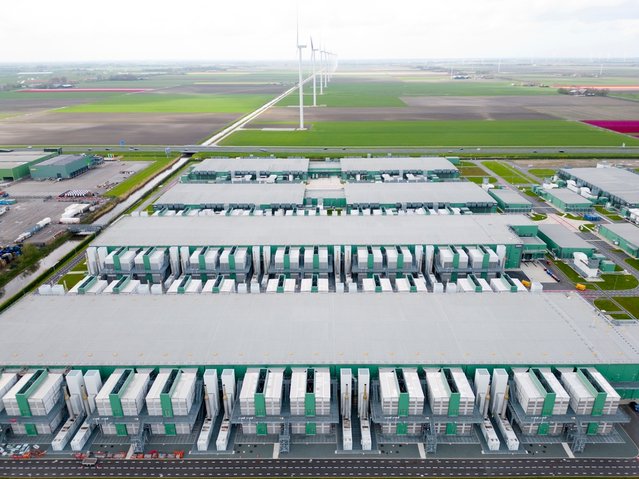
(227, 195)
(563, 243)
(63, 167)
(615, 185)
(510, 201)
(430, 197)
(263, 170)
(389, 169)
(399, 383)
(278, 170)
(623, 235)
(15, 164)
(344, 250)
(566, 200)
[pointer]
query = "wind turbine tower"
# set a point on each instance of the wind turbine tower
(313, 50)
(300, 47)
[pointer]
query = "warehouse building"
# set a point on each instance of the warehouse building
(15, 164)
(264, 170)
(465, 195)
(623, 235)
(563, 242)
(398, 358)
(510, 201)
(63, 167)
(227, 195)
(294, 198)
(277, 170)
(389, 169)
(566, 200)
(343, 249)
(616, 185)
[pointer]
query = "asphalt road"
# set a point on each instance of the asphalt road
(603, 151)
(325, 468)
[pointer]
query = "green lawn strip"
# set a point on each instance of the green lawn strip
(531, 193)
(630, 304)
(607, 305)
(80, 267)
(620, 316)
(571, 273)
(617, 282)
(608, 214)
(172, 103)
(507, 173)
(71, 279)
(461, 133)
(472, 171)
(538, 216)
(634, 262)
(140, 178)
(479, 180)
(542, 172)
(569, 216)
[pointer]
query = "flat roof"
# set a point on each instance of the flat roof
(227, 193)
(618, 182)
(312, 230)
(62, 160)
(393, 164)
(425, 192)
(627, 231)
(567, 196)
(390, 328)
(564, 237)
(509, 196)
(18, 158)
(223, 165)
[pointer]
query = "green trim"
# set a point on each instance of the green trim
(31, 386)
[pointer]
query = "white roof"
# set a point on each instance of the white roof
(312, 230)
(610, 391)
(274, 382)
(544, 329)
(6, 378)
(46, 385)
(413, 385)
(627, 231)
(554, 383)
(298, 384)
(456, 192)
(271, 165)
(196, 194)
(618, 182)
(579, 388)
(184, 384)
(394, 164)
(564, 237)
(156, 388)
(527, 385)
(388, 384)
(109, 384)
(435, 380)
(463, 386)
(249, 384)
(508, 195)
(567, 196)
(138, 383)
(11, 393)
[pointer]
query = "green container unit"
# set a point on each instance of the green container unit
(310, 396)
(115, 399)
(549, 397)
(453, 400)
(87, 284)
(599, 394)
(121, 284)
(165, 400)
(403, 402)
(22, 396)
(260, 401)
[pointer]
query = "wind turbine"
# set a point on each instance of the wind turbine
(325, 58)
(313, 50)
(300, 47)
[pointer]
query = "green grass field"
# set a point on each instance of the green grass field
(608, 214)
(387, 94)
(612, 306)
(542, 172)
(462, 133)
(172, 103)
(508, 173)
(140, 178)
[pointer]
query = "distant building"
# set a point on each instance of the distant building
(63, 167)
(15, 164)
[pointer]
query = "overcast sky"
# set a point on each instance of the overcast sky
(105, 30)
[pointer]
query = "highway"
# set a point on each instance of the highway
(325, 468)
(334, 150)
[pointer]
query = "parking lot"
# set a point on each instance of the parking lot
(98, 180)
(25, 214)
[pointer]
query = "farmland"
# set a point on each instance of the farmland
(466, 133)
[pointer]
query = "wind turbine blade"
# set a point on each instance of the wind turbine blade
(312, 47)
